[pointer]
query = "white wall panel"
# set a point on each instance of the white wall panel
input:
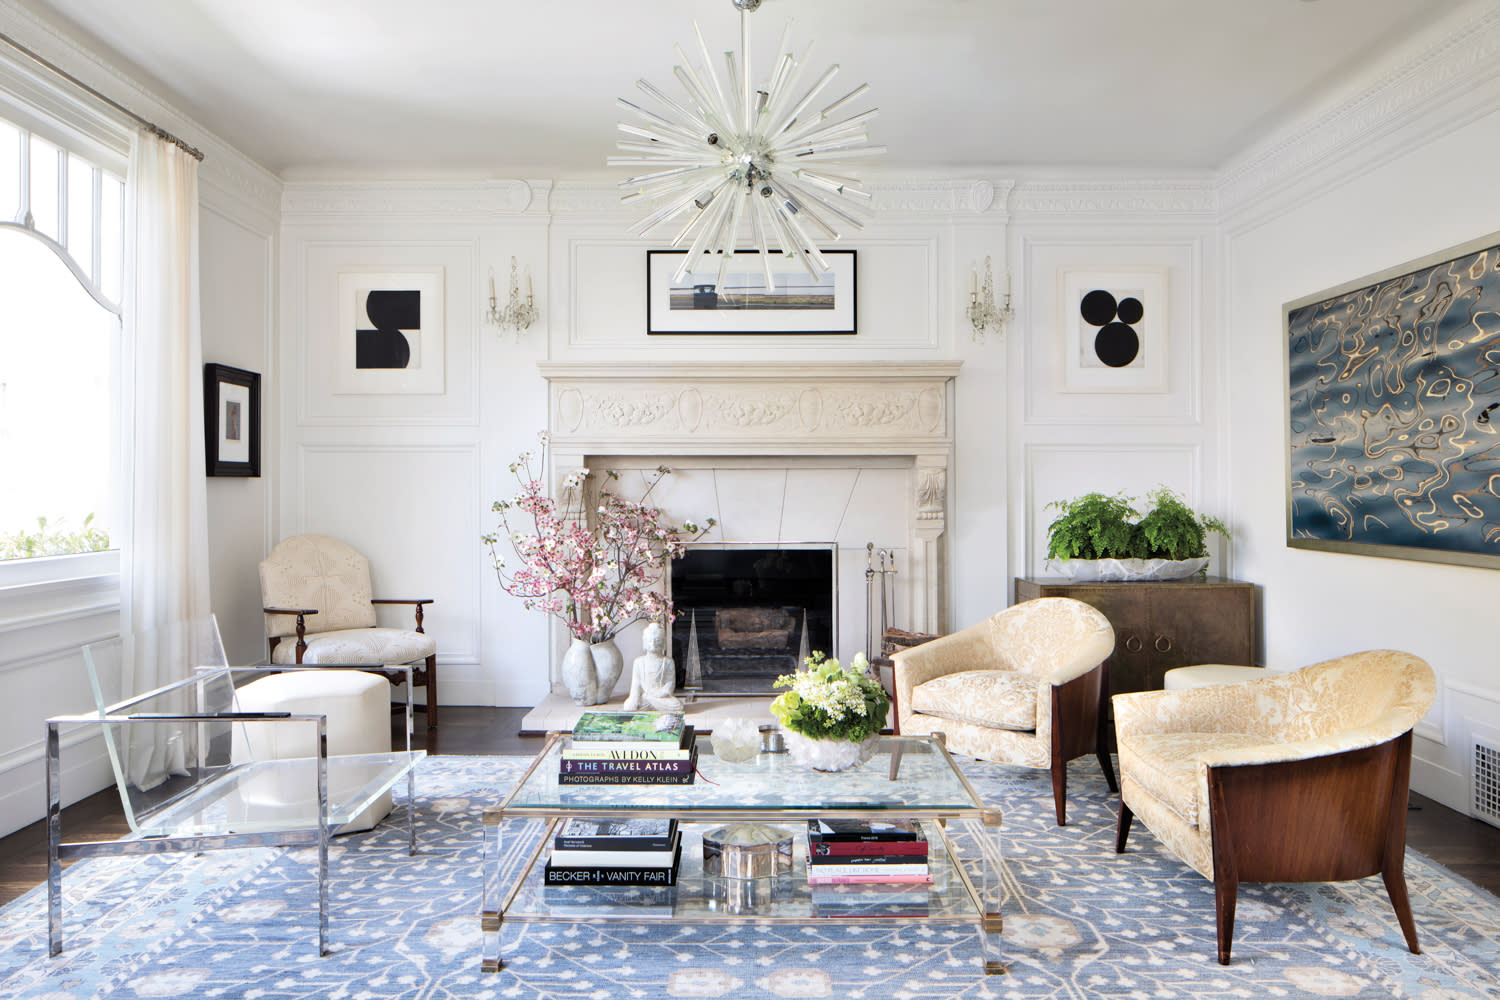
(1062, 472)
(413, 511)
(315, 311)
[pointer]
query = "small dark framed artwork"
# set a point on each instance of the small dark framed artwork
(231, 420)
(1114, 331)
(795, 302)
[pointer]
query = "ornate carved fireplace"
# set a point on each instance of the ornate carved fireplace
(886, 420)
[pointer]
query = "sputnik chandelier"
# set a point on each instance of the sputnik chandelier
(734, 156)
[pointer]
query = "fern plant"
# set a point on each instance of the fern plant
(1095, 526)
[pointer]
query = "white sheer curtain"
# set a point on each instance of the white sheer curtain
(164, 558)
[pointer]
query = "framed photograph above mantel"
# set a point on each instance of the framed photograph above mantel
(1393, 444)
(797, 303)
(231, 420)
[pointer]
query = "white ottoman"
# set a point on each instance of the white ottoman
(358, 709)
(1205, 674)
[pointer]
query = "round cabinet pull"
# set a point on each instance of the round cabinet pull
(1163, 644)
(1133, 643)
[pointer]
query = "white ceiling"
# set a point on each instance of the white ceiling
(505, 88)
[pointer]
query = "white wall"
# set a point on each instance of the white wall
(43, 629)
(1362, 212)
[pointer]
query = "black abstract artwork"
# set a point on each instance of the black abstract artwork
(390, 313)
(1116, 317)
(1394, 422)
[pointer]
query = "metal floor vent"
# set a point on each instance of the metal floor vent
(1487, 782)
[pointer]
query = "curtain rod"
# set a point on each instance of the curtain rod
(149, 126)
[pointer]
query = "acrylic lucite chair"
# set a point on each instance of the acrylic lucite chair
(183, 764)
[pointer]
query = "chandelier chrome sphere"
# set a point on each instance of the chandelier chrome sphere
(735, 157)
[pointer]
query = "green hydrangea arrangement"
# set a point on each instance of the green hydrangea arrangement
(827, 701)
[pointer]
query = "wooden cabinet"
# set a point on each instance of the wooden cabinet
(1163, 624)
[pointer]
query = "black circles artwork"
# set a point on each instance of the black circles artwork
(1117, 344)
(1114, 330)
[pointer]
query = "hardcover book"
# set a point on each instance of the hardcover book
(890, 858)
(884, 868)
(592, 858)
(858, 849)
(606, 750)
(662, 876)
(828, 830)
(616, 835)
(684, 766)
(865, 879)
(626, 779)
(629, 727)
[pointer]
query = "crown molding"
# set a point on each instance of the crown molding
(463, 199)
(225, 170)
(1442, 87)
(1114, 197)
(981, 197)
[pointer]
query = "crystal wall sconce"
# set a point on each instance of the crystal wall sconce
(516, 315)
(982, 312)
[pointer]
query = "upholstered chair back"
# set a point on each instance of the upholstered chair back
(315, 571)
(1048, 636)
(1383, 688)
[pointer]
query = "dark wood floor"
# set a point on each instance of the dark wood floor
(1465, 846)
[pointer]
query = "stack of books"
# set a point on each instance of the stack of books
(614, 852)
(629, 748)
(858, 851)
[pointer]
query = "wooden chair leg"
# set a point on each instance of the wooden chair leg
(1060, 789)
(1395, 887)
(1107, 766)
(1226, 894)
(1122, 828)
(432, 692)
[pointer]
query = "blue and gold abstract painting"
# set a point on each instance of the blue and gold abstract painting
(1394, 393)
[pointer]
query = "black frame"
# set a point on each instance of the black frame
(214, 376)
(853, 326)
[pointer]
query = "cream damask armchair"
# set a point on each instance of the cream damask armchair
(1298, 777)
(1022, 687)
(309, 575)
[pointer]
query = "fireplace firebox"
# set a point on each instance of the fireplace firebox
(747, 613)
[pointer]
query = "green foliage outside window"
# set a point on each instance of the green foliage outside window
(53, 540)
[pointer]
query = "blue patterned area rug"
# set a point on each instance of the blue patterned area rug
(1080, 922)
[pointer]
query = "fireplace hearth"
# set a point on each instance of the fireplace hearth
(748, 614)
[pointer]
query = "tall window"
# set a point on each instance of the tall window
(61, 252)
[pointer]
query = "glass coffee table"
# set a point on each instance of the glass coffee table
(909, 778)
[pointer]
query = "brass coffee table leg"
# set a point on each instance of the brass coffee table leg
(490, 911)
(992, 922)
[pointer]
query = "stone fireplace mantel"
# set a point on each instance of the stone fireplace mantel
(802, 409)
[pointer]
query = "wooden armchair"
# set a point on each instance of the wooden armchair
(316, 575)
(1023, 687)
(1299, 777)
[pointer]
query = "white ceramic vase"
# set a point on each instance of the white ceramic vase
(827, 755)
(590, 670)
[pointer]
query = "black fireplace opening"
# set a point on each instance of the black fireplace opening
(746, 615)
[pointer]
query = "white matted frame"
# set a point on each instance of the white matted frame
(1114, 330)
(797, 304)
(401, 348)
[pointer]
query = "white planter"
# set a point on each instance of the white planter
(589, 671)
(1086, 570)
(827, 755)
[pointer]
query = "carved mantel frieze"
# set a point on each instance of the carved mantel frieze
(807, 410)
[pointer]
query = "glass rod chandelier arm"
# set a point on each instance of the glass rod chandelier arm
(729, 157)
